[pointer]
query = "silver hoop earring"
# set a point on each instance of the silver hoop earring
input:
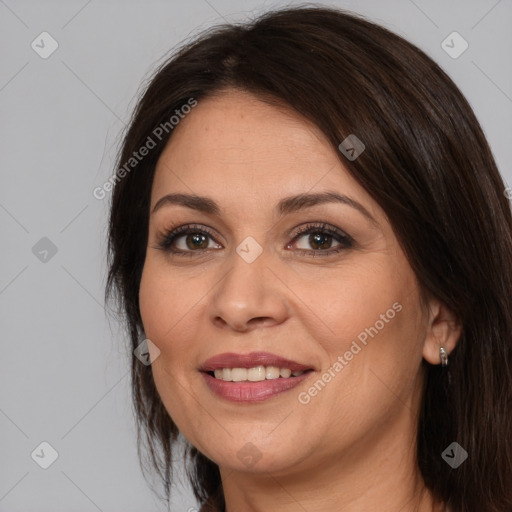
(444, 357)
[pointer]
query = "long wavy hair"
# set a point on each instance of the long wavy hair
(427, 164)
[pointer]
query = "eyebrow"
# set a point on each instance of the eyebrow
(286, 206)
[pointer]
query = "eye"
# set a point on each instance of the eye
(194, 239)
(189, 239)
(320, 237)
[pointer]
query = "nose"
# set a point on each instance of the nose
(249, 296)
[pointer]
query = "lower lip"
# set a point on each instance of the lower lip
(252, 391)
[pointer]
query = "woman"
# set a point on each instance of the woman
(314, 243)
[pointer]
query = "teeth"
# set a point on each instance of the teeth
(238, 374)
(285, 372)
(255, 374)
(272, 372)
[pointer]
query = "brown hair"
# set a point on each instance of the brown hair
(426, 163)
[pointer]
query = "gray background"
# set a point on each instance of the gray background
(64, 369)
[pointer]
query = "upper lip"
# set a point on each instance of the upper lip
(232, 360)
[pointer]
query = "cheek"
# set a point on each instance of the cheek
(360, 304)
(170, 309)
(161, 308)
(374, 326)
(151, 303)
(162, 303)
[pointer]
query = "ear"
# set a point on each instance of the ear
(443, 330)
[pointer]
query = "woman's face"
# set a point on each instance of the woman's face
(346, 307)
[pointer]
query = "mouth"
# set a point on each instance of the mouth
(252, 377)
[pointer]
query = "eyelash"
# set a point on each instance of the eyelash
(166, 239)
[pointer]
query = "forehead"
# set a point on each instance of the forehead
(237, 128)
(234, 145)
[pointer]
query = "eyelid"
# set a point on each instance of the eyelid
(320, 226)
(169, 236)
(345, 241)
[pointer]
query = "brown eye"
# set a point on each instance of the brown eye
(187, 240)
(196, 241)
(319, 240)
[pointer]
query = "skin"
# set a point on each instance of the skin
(354, 443)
